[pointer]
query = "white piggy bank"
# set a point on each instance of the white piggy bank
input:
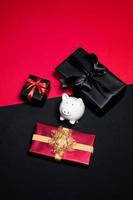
(71, 108)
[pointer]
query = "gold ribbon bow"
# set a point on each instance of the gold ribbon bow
(62, 142)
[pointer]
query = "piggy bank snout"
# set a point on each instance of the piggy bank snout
(66, 112)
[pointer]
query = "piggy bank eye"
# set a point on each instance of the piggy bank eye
(72, 104)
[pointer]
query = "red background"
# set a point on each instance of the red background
(35, 36)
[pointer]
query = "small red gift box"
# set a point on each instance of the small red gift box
(62, 143)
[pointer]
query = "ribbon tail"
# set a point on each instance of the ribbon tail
(30, 94)
(64, 83)
(73, 81)
(41, 90)
(30, 81)
(42, 85)
(30, 86)
(99, 70)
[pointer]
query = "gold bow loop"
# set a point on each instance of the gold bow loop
(62, 142)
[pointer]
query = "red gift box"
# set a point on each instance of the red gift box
(62, 143)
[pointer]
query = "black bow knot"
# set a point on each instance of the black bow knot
(89, 76)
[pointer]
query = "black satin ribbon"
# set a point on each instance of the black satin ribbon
(91, 70)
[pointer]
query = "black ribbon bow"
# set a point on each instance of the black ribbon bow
(91, 70)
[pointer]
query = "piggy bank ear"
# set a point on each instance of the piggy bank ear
(79, 100)
(65, 97)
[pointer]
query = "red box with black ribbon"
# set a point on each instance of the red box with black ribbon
(35, 90)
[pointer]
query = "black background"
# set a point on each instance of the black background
(109, 176)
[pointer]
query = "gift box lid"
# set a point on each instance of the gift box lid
(35, 90)
(62, 143)
(89, 79)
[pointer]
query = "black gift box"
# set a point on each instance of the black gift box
(35, 90)
(90, 79)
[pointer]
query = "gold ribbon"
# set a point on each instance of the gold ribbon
(61, 141)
